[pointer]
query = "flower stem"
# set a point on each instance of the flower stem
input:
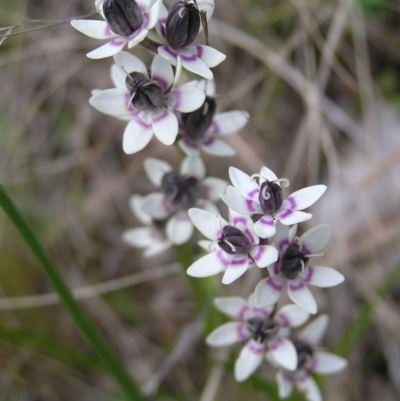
(108, 357)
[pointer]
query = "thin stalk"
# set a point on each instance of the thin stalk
(108, 357)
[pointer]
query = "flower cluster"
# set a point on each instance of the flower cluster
(157, 98)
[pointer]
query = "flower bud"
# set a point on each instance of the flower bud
(233, 241)
(271, 197)
(262, 329)
(146, 93)
(183, 24)
(304, 352)
(181, 191)
(197, 122)
(293, 261)
(123, 16)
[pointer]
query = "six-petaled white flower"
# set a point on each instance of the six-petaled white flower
(311, 360)
(195, 58)
(148, 13)
(147, 101)
(181, 191)
(294, 268)
(233, 246)
(265, 197)
(263, 328)
(203, 129)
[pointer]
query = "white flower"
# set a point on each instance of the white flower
(263, 328)
(310, 360)
(294, 268)
(146, 100)
(151, 238)
(195, 58)
(202, 128)
(233, 246)
(265, 197)
(180, 192)
(102, 30)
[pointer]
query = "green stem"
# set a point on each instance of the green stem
(95, 339)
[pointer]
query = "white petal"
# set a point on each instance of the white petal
(264, 255)
(228, 334)
(305, 197)
(186, 98)
(244, 184)
(207, 205)
(292, 316)
(216, 147)
(237, 268)
(156, 248)
(235, 307)
(241, 205)
(155, 170)
(152, 14)
(155, 206)
(209, 265)
(188, 147)
(136, 136)
(138, 237)
(316, 239)
(284, 352)
(161, 71)
(193, 166)
(168, 53)
(281, 237)
(165, 126)
(210, 56)
(208, 6)
(136, 203)
(108, 50)
(265, 227)
(249, 360)
(214, 187)
(137, 37)
(194, 64)
(111, 101)
(128, 62)
(321, 276)
(179, 228)
(207, 223)
(314, 331)
(118, 77)
(301, 295)
(208, 246)
(268, 174)
(228, 122)
(268, 291)
(289, 217)
(285, 383)
(306, 384)
(94, 29)
(326, 363)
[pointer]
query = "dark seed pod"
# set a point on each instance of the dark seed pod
(147, 94)
(181, 191)
(293, 261)
(233, 241)
(123, 16)
(183, 24)
(271, 197)
(197, 122)
(262, 329)
(304, 352)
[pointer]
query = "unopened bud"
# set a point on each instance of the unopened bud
(233, 241)
(123, 16)
(293, 261)
(146, 93)
(183, 24)
(197, 122)
(271, 197)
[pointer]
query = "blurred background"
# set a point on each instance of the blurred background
(321, 81)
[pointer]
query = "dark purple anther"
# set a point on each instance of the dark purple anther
(123, 16)
(271, 197)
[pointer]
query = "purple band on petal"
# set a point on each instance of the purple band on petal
(313, 363)
(139, 121)
(146, 20)
(273, 345)
(254, 192)
(163, 115)
(170, 51)
(274, 285)
(297, 287)
(310, 273)
(256, 348)
(222, 259)
(243, 311)
(135, 34)
(267, 222)
(303, 376)
(238, 220)
(193, 57)
(305, 250)
(108, 31)
(250, 236)
(260, 252)
(284, 243)
(237, 262)
(209, 141)
(284, 319)
(286, 375)
(292, 202)
(167, 206)
(161, 81)
(117, 42)
(199, 51)
(241, 331)
(163, 22)
(276, 266)
(178, 99)
(189, 143)
(214, 128)
(250, 206)
(285, 214)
